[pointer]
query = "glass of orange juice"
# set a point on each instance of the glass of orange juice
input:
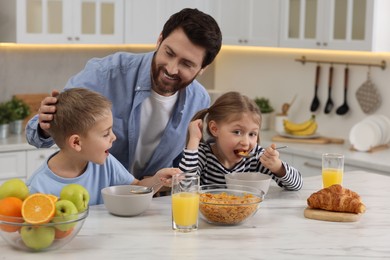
(332, 169)
(185, 201)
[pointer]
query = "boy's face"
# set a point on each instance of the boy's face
(99, 139)
(233, 137)
(176, 63)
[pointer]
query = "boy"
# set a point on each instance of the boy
(82, 129)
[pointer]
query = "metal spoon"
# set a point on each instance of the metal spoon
(344, 108)
(249, 155)
(141, 190)
(329, 103)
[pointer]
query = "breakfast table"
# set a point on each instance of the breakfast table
(279, 230)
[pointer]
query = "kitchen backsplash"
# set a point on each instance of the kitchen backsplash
(274, 73)
(269, 72)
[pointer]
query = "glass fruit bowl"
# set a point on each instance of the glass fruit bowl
(43, 237)
(228, 205)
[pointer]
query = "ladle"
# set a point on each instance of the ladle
(329, 102)
(316, 102)
(344, 108)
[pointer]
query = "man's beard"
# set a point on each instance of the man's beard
(163, 87)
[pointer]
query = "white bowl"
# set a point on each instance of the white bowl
(256, 180)
(121, 202)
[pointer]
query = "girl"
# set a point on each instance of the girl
(233, 122)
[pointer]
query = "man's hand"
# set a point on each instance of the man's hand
(46, 111)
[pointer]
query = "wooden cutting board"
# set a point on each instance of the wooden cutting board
(317, 140)
(325, 215)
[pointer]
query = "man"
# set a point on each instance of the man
(154, 94)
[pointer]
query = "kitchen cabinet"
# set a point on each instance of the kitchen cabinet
(335, 24)
(309, 166)
(35, 158)
(12, 165)
(248, 22)
(64, 21)
(144, 20)
(21, 164)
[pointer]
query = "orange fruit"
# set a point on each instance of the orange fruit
(53, 197)
(11, 211)
(61, 234)
(38, 208)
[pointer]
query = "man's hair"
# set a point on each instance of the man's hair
(77, 110)
(200, 28)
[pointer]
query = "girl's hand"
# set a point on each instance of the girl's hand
(195, 131)
(270, 159)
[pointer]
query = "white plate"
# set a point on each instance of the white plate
(284, 134)
(364, 136)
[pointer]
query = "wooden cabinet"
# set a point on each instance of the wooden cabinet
(12, 165)
(63, 21)
(248, 22)
(335, 24)
(144, 20)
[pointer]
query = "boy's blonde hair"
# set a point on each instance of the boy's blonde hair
(77, 110)
(229, 107)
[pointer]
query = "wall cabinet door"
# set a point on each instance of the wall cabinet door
(248, 22)
(144, 20)
(12, 165)
(35, 158)
(334, 24)
(69, 21)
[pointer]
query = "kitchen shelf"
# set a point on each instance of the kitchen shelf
(381, 65)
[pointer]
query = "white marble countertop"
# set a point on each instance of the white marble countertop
(378, 160)
(277, 231)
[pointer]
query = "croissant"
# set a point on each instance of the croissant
(336, 198)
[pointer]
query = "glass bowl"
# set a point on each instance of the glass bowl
(220, 204)
(43, 237)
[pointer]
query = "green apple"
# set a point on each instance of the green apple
(77, 194)
(37, 238)
(14, 188)
(65, 211)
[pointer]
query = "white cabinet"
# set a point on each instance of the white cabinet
(335, 24)
(248, 22)
(12, 165)
(35, 158)
(144, 20)
(309, 166)
(63, 21)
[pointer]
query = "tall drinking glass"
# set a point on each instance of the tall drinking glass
(185, 202)
(332, 169)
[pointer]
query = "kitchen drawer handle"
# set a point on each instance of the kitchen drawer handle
(312, 165)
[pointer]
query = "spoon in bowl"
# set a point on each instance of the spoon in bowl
(249, 155)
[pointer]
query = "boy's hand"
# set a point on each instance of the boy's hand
(270, 159)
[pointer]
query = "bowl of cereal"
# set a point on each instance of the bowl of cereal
(233, 205)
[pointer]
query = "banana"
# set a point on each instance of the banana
(311, 130)
(293, 127)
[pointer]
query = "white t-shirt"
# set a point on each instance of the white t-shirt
(155, 113)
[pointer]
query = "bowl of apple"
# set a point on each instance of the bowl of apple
(40, 222)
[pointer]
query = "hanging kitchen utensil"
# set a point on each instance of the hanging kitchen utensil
(344, 108)
(368, 96)
(316, 102)
(329, 102)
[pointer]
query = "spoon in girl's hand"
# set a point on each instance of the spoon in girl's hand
(249, 155)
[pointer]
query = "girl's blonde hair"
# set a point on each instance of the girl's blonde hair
(229, 107)
(77, 111)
